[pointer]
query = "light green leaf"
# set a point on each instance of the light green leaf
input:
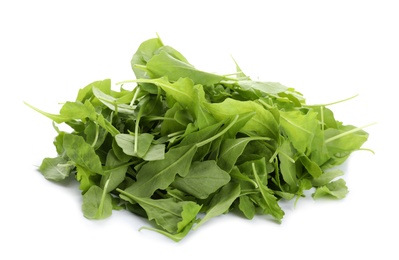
(113, 103)
(336, 189)
(300, 128)
(312, 167)
(56, 169)
(327, 177)
(263, 122)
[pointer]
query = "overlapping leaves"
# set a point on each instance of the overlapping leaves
(185, 142)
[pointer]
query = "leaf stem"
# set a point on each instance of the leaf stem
(96, 137)
(136, 93)
(347, 133)
(101, 206)
(333, 103)
(142, 67)
(118, 167)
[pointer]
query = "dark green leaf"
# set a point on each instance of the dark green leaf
(160, 174)
(82, 153)
(221, 202)
(203, 179)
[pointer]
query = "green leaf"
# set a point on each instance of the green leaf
(300, 128)
(247, 207)
(113, 103)
(181, 90)
(327, 177)
(95, 135)
(221, 202)
(203, 179)
(288, 168)
(231, 149)
(78, 110)
(97, 203)
(263, 123)
(144, 53)
(160, 174)
(344, 140)
(126, 142)
(202, 115)
(115, 172)
(86, 178)
(86, 94)
(336, 189)
(56, 118)
(107, 125)
(82, 153)
(164, 64)
(56, 169)
(261, 88)
(156, 152)
(169, 214)
(270, 204)
(311, 166)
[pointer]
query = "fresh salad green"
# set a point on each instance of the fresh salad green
(185, 145)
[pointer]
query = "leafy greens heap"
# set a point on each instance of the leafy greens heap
(185, 143)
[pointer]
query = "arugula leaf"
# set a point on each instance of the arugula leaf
(56, 169)
(247, 207)
(300, 128)
(82, 153)
(262, 123)
(231, 149)
(160, 174)
(203, 179)
(269, 203)
(221, 202)
(172, 216)
(97, 203)
(288, 167)
(335, 189)
(164, 64)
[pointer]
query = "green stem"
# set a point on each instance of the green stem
(333, 103)
(142, 67)
(176, 133)
(96, 137)
(347, 133)
(101, 206)
(287, 156)
(118, 167)
(136, 93)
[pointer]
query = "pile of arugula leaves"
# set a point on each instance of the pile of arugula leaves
(186, 145)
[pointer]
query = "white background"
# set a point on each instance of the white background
(328, 50)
